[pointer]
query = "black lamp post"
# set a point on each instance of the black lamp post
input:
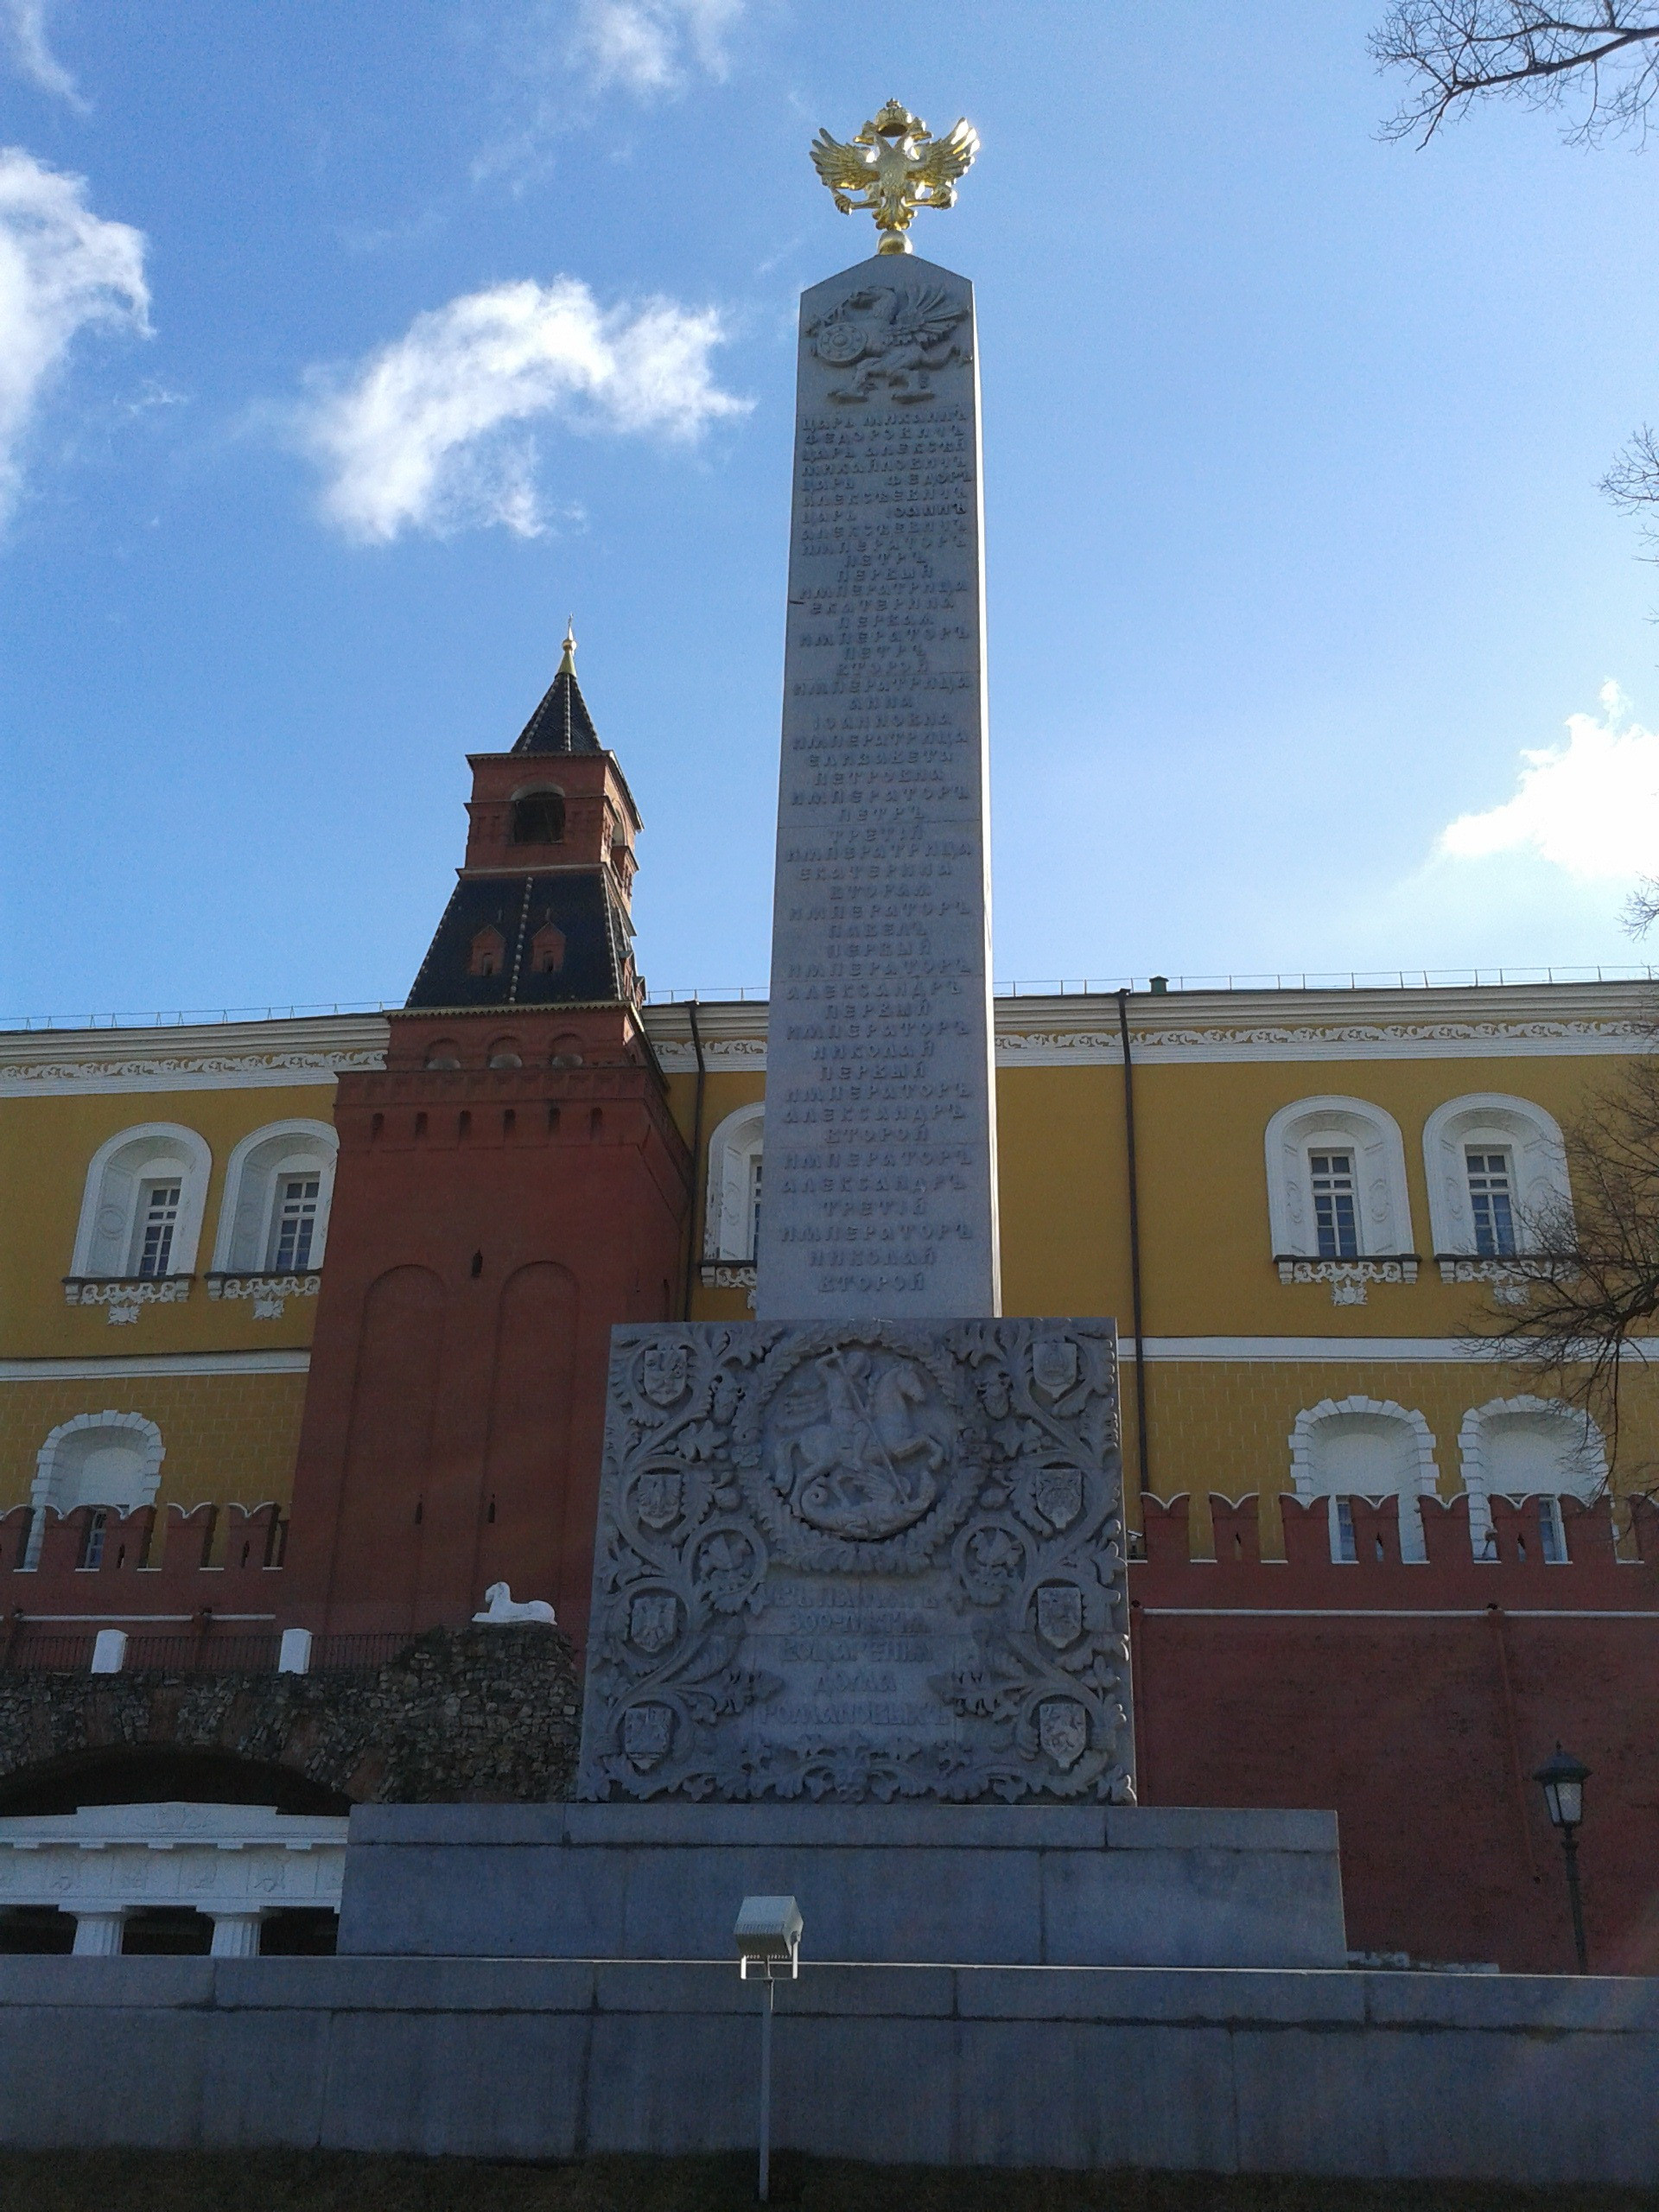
(1562, 1779)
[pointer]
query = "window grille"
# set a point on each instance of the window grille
(92, 1542)
(1334, 1215)
(754, 1206)
(1490, 1203)
(297, 1223)
(1552, 1536)
(158, 1218)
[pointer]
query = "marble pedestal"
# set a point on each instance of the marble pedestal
(980, 1885)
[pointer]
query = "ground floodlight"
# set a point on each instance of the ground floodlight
(767, 1938)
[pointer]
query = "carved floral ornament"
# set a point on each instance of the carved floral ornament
(860, 1560)
(1360, 1040)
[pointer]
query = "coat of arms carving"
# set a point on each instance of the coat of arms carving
(861, 1559)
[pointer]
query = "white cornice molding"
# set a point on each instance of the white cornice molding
(1402, 1351)
(210, 1055)
(1476, 1022)
(113, 1369)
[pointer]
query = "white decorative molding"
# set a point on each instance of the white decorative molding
(1334, 1041)
(1530, 1136)
(1507, 1282)
(234, 1862)
(729, 1055)
(1348, 1278)
(1413, 1449)
(115, 1181)
(1342, 1350)
(114, 1367)
(269, 1293)
(733, 1149)
(123, 1295)
(715, 1275)
(1574, 1459)
(253, 1178)
(1382, 1206)
(105, 1458)
(1467, 1021)
(217, 1056)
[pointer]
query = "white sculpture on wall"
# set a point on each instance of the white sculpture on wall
(500, 1607)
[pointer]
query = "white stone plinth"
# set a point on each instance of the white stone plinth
(880, 1162)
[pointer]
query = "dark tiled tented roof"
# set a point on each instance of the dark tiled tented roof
(561, 723)
(574, 901)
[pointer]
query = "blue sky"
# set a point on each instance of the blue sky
(344, 348)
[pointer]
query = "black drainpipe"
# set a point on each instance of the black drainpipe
(692, 1228)
(1141, 1439)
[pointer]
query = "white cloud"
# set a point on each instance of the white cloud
(653, 45)
(25, 24)
(1590, 807)
(430, 432)
(61, 269)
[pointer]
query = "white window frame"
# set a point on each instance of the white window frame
(1413, 1548)
(1490, 1121)
(47, 1469)
(1588, 1483)
(728, 1218)
(119, 1169)
(253, 1178)
(1383, 1202)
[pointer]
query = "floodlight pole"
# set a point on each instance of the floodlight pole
(764, 2192)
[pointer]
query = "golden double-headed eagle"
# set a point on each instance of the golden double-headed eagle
(898, 167)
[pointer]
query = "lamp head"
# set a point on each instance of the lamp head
(1562, 1777)
(767, 1938)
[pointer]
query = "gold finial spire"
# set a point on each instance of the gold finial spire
(898, 167)
(567, 665)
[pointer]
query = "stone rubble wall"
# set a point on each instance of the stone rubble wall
(482, 1714)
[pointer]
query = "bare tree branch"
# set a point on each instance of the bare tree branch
(1457, 51)
(1591, 1272)
(1642, 907)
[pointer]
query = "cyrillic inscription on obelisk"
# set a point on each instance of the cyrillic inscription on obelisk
(880, 1160)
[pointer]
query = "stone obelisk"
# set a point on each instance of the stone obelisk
(880, 1197)
(870, 1545)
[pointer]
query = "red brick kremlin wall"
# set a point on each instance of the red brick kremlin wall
(1417, 1698)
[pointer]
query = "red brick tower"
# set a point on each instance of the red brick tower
(509, 1189)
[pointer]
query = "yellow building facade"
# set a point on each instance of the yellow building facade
(1327, 1184)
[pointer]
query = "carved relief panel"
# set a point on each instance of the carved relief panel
(857, 1559)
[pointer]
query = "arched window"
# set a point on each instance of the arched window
(1337, 1181)
(1528, 1447)
(489, 951)
(546, 949)
(1364, 1447)
(733, 1206)
(504, 1052)
(279, 1183)
(539, 818)
(1497, 1170)
(141, 1213)
(107, 1459)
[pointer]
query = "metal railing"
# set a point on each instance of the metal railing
(190, 1017)
(1306, 979)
